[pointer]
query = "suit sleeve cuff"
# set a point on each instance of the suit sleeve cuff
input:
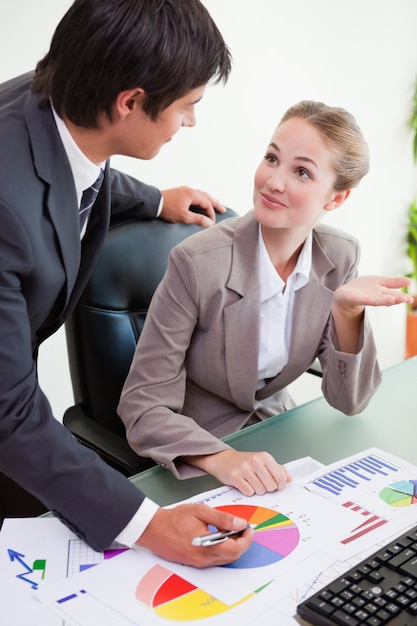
(161, 204)
(134, 529)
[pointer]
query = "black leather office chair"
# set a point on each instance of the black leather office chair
(103, 331)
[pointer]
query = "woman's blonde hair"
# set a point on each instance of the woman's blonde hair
(339, 128)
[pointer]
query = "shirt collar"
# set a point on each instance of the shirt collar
(270, 281)
(84, 171)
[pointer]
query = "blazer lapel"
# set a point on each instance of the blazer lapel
(52, 166)
(242, 316)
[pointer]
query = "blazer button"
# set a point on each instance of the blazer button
(342, 368)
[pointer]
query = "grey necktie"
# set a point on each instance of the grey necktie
(88, 198)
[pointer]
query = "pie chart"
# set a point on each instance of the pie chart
(176, 599)
(172, 597)
(275, 536)
(400, 494)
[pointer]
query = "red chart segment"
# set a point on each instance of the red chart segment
(275, 536)
(400, 494)
(176, 599)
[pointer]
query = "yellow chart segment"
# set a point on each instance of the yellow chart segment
(400, 494)
(174, 598)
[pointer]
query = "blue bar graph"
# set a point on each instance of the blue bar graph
(353, 475)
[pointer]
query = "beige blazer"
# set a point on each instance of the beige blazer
(194, 373)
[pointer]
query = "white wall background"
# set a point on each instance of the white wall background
(359, 54)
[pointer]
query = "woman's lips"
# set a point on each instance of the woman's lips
(273, 203)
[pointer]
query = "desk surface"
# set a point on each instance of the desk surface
(316, 429)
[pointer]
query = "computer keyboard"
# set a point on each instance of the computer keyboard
(381, 589)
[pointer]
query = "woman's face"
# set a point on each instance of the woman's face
(294, 183)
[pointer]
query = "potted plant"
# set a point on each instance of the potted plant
(411, 325)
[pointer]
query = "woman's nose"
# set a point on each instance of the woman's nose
(277, 180)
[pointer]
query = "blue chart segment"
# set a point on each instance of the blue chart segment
(353, 475)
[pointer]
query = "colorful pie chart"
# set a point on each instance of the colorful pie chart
(176, 599)
(401, 493)
(275, 536)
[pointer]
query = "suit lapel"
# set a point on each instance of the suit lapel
(241, 318)
(52, 166)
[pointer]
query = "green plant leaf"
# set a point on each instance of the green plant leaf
(412, 209)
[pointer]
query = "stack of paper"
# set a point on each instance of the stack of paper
(323, 522)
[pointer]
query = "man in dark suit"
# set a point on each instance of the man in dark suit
(119, 78)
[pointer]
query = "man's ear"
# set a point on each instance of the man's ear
(126, 101)
(337, 200)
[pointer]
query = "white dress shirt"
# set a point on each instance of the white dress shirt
(276, 311)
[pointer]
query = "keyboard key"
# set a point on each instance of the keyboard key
(321, 607)
(410, 568)
(340, 617)
(401, 558)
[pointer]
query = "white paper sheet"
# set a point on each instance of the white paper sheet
(150, 591)
(33, 552)
(379, 487)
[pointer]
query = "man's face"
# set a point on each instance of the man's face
(141, 137)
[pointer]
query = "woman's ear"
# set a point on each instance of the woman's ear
(337, 200)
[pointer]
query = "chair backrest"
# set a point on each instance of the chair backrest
(103, 330)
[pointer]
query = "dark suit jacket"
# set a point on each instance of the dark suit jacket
(43, 270)
(195, 369)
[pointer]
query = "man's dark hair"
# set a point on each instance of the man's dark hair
(103, 47)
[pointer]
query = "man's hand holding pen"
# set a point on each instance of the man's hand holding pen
(171, 533)
(219, 536)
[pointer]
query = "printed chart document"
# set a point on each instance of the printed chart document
(317, 527)
(300, 533)
(379, 488)
(148, 590)
(36, 551)
(33, 552)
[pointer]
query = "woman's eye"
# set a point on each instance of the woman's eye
(271, 158)
(303, 173)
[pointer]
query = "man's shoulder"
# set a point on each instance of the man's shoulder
(13, 94)
(14, 88)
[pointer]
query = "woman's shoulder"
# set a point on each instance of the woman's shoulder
(338, 247)
(329, 235)
(218, 236)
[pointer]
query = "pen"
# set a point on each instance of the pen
(219, 537)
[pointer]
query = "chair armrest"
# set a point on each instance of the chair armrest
(109, 446)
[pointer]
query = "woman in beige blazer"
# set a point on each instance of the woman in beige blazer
(247, 306)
